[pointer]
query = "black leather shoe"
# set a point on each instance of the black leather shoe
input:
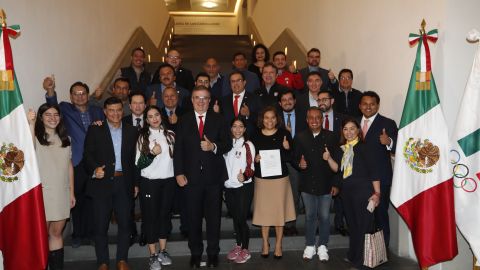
(212, 261)
(195, 261)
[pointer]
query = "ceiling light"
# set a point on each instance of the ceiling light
(209, 4)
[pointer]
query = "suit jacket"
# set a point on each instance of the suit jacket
(379, 151)
(300, 121)
(326, 83)
(99, 151)
(73, 123)
(201, 168)
(178, 111)
(251, 78)
(270, 98)
(303, 102)
(337, 125)
(183, 94)
(183, 77)
(340, 104)
(216, 89)
(253, 105)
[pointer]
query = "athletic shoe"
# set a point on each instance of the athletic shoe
(153, 262)
(243, 257)
(309, 252)
(164, 258)
(322, 252)
(233, 254)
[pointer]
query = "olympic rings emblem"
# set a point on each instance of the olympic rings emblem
(460, 172)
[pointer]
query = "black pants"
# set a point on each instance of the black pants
(203, 201)
(238, 202)
(339, 212)
(381, 213)
(82, 222)
(156, 197)
(359, 221)
(120, 201)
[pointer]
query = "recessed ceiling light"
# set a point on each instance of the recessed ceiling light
(209, 4)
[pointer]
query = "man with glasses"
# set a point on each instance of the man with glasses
(202, 137)
(78, 116)
(347, 98)
(240, 103)
(183, 76)
(313, 61)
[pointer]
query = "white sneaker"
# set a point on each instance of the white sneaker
(322, 252)
(309, 252)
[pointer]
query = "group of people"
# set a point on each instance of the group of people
(272, 139)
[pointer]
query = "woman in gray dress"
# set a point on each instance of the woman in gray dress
(52, 147)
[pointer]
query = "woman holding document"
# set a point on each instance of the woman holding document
(273, 200)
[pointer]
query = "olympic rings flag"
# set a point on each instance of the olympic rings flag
(465, 156)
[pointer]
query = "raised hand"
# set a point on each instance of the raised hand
(157, 149)
(384, 138)
(244, 110)
(172, 119)
(206, 144)
(49, 84)
(326, 154)
(240, 176)
(31, 116)
(285, 143)
(303, 163)
(153, 99)
(216, 107)
(98, 93)
(99, 172)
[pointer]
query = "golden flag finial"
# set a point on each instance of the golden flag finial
(423, 24)
(3, 17)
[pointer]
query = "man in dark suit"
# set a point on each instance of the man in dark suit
(109, 158)
(309, 98)
(171, 110)
(239, 63)
(138, 77)
(201, 140)
(183, 76)
(212, 68)
(347, 98)
(380, 135)
(78, 116)
(332, 121)
(270, 90)
(240, 103)
(137, 106)
(167, 79)
(313, 61)
(294, 121)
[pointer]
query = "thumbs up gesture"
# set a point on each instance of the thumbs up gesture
(156, 148)
(326, 154)
(244, 110)
(99, 172)
(153, 99)
(172, 119)
(49, 84)
(216, 107)
(285, 143)
(303, 163)
(240, 176)
(206, 144)
(384, 138)
(31, 117)
(98, 93)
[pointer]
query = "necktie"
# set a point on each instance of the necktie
(170, 113)
(200, 126)
(365, 127)
(235, 105)
(289, 121)
(327, 122)
(138, 123)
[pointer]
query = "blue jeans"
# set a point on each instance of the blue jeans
(317, 215)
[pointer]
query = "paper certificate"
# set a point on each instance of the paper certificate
(270, 162)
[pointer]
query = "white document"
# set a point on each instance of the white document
(270, 162)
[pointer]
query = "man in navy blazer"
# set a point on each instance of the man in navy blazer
(380, 135)
(167, 79)
(202, 138)
(240, 103)
(78, 116)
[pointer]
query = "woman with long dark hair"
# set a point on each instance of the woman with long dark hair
(239, 188)
(157, 184)
(52, 147)
(260, 56)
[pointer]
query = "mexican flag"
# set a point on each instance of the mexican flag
(466, 157)
(422, 187)
(23, 233)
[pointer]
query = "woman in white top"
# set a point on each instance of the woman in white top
(239, 188)
(157, 183)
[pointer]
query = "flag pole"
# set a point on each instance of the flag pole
(3, 17)
(474, 264)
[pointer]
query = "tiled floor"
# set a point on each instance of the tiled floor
(291, 260)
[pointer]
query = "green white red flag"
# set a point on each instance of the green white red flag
(23, 234)
(422, 187)
(466, 156)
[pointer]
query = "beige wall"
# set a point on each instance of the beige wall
(371, 37)
(75, 40)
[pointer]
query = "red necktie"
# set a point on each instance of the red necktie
(327, 122)
(365, 127)
(200, 126)
(235, 105)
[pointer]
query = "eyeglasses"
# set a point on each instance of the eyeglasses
(173, 57)
(345, 78)
(79, 94)
(201, 98)
(323, 100)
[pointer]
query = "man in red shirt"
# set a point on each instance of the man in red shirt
(287, 76)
